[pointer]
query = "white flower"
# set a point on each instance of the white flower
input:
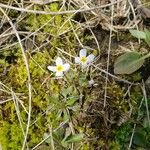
(60, 68)
(83, 60)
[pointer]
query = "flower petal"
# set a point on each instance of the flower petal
(66, 67)
(90, 58)
(59, 61)
(77, 60)
(59, 74)
(51, 68)
(83, 52)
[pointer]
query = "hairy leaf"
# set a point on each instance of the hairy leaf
(128, 63)
(138, 34)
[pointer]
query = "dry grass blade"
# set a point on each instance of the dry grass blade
(18, 113)
(108, 56)
(56, 13)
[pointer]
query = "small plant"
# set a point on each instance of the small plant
(132, 61)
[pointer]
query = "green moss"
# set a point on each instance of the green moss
(11, 135)
(123, 135)
(114, 146)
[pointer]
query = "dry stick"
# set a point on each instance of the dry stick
(18, 111)
(113, 76)
(95, 38)
(42, 114)
(63, 51)
(28, 74)
(26, 36)
(56, 13)
(3, 19)
(17, 21)
(85, 4)
(21, 32)
(52, 140)
(131, 139)
(10, 92)
(68, 20)
(4, 101)
(8, 89)
(41, 28)
(134, 15)
(76, 34)
(41, 142)
(74, 11)
(108, 56)
(132, 9)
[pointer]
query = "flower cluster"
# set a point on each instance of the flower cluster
(61, 67)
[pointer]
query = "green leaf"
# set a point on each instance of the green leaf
(140, 139)
(147, 40)
(67, 91)
(82, 80)
(128, 63)
(74, 138)
(67, 134)
(138, 34)
(71, 101)
(145, 122)
(65, 116)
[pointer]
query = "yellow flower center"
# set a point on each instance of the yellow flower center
(59, 68)
(83, 59)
